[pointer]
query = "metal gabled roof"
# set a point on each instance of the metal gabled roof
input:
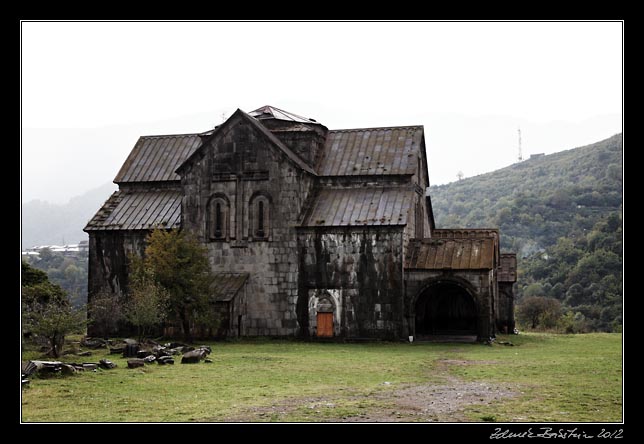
(336, 207)
(372, 151)
(155, 158)
(138, 210)
(451, 254)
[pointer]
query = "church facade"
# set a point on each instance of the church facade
(310, 232)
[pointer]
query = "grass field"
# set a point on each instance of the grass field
(542, 378)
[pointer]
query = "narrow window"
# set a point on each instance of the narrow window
(260, 219)
(218, 220)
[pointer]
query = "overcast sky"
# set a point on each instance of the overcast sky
(90, 89)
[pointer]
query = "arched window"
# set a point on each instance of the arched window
(218, 220)
(218, 215)
(260, 221)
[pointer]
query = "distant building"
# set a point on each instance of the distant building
(67, 250)
(311, 231)
(537, 155)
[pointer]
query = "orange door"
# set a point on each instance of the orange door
(325, 325)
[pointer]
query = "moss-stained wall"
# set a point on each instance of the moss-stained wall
(108, 260)
(360, 271)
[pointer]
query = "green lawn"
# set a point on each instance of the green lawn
(563, 378)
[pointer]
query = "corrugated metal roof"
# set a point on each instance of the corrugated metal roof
(155, 158)
(508, 267)
(138, 210)
(270, 112)
(463, 233)
(227, 285)
(451, 254)
(469, 233)
(359, 206)
(371, 151)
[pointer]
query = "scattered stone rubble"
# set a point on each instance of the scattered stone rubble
(140, 354)
(44, 368)
(194, 356)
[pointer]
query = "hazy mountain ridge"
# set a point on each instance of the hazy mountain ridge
(44, 223)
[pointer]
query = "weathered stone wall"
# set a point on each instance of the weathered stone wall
(238, 166)
(481, 285)
(360, 272)
(304, 139)
(418, 214)
(108, 260)
(505, 313)
(306, 144)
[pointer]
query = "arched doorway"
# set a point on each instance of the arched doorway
(324, 312)
(446, 308)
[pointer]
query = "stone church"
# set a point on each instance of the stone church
(311, 232)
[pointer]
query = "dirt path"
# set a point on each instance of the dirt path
(442, 402)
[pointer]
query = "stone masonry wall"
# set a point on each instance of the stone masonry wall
(228, 168)
(108, 260)
(505, 311)
(359, 271)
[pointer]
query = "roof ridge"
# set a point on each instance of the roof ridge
(466, 229)
(160, 136)
(291, 116)
(374, 128)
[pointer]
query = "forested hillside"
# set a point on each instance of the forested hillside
(562, 215)
(67, 271)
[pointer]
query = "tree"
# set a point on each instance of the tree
(31, 276)
(53, 321)
(36, 288)
(614, 172)
(105, 312)
(539, 311)
(46, 310)
(594, 266)
(573, 323)
(50, 260)
(575, 295)
(179, 263)
(535, 289)
(557, 291)
(148, 300)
